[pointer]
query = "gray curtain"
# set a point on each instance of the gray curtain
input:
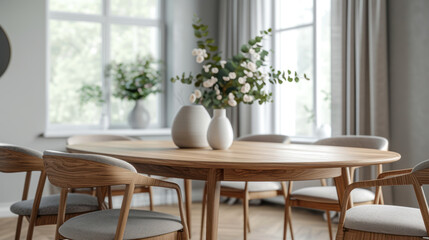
(240, 20)
(359, 72)
(359, 68)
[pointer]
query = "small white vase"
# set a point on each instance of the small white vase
(139, 117)
(219, 134)
(189, 129)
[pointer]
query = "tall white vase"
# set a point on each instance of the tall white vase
(139, 117)
(219, 134)
(190, 126)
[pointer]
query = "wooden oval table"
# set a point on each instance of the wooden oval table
(243, 161)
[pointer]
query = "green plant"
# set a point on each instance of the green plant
(91, 93)
(135, 80)
(225, 83)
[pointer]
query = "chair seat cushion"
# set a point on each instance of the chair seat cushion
(328, 194)
(386, 219)
(76, 203)
(102, 225)
(253, 186)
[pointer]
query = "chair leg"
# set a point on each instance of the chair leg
(246, 214)
(150, 199)
(18, 227)
(203, 211)
(248, 223)
(290, 222)
(109, 196)
(328, 216)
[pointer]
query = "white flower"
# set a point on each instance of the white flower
(140, 90)
(200, 52)
(195, 52)
(217, 91)
(256, 56)
(148, 85)
(222, 63)
(218, 97)
(200, 59)
(215, 70)
(252, 51)
(213, 80)
(232, 75)
(206, 68)
(249, 74)
(197, 93)
(225, 78)
(192, 98)
(231, 95)
(207, 84)
(251, 66)
(232, 102)
(245, 88)
(243, 64)
(205, 55)
(247, 98)
(242, 80)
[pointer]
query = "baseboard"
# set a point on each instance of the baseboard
(5, 210)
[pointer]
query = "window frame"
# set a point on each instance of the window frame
(276, 91)
(106, 20)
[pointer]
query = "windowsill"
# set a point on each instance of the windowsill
(126, 132)
(303, 140)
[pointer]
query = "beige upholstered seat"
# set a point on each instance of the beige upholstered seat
(396, 220)
(388, 221)
(329, 194)
(67, 170)
(325, 197)
(250, 190)
(40, 210)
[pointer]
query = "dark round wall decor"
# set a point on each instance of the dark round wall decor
(4, 51)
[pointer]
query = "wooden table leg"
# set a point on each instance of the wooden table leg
(188, 193)
(341, 182)
(213, 197)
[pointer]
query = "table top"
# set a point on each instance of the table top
(244, 155)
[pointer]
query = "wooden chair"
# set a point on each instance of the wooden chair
(386, 221)
(113, 190)
(247, 191)
(71, 170)
(325, 197)
(40, 210)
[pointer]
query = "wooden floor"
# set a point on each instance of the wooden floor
(266, 223)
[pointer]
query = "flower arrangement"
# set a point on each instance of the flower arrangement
(135, 80)
(225, 83)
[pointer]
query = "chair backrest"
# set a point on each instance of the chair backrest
(72, 170)
(81, 139)
(19, 159)
(359, 141)
(274, 138)
(421, 172)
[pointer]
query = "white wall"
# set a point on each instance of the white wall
(409, 86)
(23, 86)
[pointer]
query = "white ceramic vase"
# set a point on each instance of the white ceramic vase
(190, 126)
(219, 134)
(139, 117)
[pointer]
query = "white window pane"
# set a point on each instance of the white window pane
(323, 66)
(126, 43)
(76, 6)
(75, 59)
(135, 8)
(294, 51)
(291, 13)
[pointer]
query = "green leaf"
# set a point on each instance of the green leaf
(245, 48)
(210, 41)
(212, 48)
(238, 57)
(289, 72)
(252, 42)
(258, 39)
(258, 63)
(196, 27)
(197, 34)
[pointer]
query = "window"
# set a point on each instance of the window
(85, 36)
(301, 42)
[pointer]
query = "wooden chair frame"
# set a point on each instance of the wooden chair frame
(79, 139)
(391, 178)
(68, 172)
(12, 161)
